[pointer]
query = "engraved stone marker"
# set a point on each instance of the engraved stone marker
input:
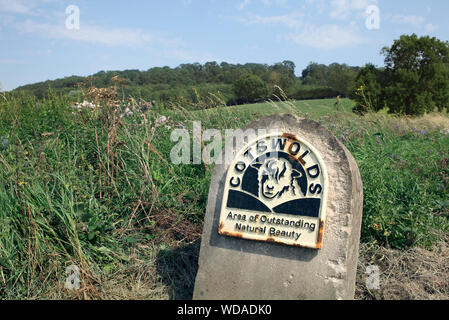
(283, 218)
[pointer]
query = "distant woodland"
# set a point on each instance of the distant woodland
(414, 81)
(232, 83)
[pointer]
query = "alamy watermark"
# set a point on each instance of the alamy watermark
(72, 21)
(372, 282)
(372, 21)
(73, 281)
(206, 146)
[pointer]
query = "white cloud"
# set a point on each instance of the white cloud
(330, 36)
(430, 27)
(12, 61)
(52, 25)
(417, 22)
(413, 20)
(275, 2)
(342, 8)
(244, 4)
(16, 6)
(291, 20)
(92, 34)
(326, 37)
(191, 56)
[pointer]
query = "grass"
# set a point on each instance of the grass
(408, 274)
(95, 188)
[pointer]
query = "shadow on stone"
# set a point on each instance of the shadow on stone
(178, 268)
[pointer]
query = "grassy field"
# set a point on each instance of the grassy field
(95, 188)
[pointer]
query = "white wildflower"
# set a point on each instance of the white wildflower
(162, 119)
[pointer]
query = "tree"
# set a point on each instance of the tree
(341, 78)
(338, 77)
(213, 71)
(315, 74)
(285, 72)
(250, 88)
(367, 90)
(417, 75)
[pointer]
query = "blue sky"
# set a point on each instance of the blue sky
(36, 44)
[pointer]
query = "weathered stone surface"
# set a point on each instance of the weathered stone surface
(233, 268)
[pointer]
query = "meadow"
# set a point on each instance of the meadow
(92, 185)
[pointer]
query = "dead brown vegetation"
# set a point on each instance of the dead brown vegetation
(413, 274)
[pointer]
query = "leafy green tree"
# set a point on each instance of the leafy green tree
(417, 70)
(285, 71)
(341, 78)
(212, 70)
(250, 88)
(315, 74)
(368, 92)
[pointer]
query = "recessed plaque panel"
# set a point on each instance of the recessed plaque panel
(276, 190)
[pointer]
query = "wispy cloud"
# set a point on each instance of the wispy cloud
(244, 4)
(12, 61)
(16, 6)
(48, 23)
(330, 36)
(430, 27)
(91, 34)
(341, 9)
(275, 2)
(302, 32)
(408, 19)
(291, 20)
(190, 56)
(111, 36)
(416, 21)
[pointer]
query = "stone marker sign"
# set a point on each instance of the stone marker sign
(275, 190)
(283, 217)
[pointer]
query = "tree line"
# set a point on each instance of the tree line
(233, 83)
(414, 80)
